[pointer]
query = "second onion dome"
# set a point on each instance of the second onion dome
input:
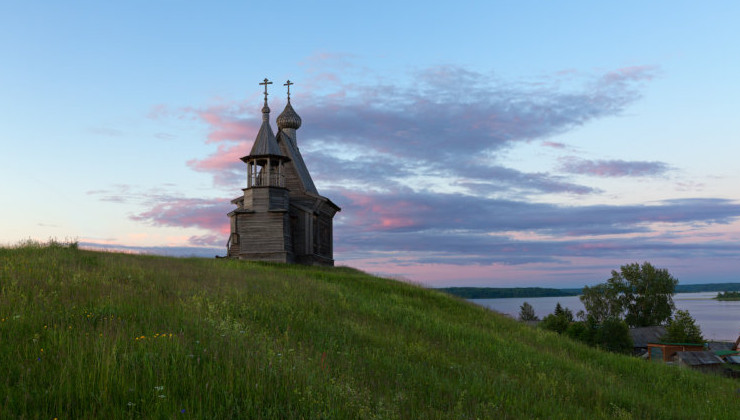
(289, 118)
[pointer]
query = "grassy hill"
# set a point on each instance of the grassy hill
(114, 336)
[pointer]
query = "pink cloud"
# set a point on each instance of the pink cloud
(190, 212)
(372, 215)
(396, 222)
(553, 144)
(226, 157)
(226, 127)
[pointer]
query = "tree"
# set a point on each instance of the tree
(602, 302)
(648, 293)
(642, 294)
(559, 320)
(682, 328)
(526, 313)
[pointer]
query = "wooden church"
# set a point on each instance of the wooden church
(280, 216)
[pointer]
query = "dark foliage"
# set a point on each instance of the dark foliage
(682, 328)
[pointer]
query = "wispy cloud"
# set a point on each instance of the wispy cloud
(429, 129)
(613, 168)
(166, 208)
(207, 214)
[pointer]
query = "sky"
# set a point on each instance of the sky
(488, 144)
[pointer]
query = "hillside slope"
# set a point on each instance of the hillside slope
(104, 335)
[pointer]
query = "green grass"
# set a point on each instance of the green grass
(116, 336)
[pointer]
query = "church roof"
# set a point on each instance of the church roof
(291, 151)
(265, 143)
(289, 118)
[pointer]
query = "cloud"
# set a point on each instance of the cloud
(371, 215)
(419, 174)
(464, 232)
(227, 122)
(224, 165)
(429, 128)
(207, 214)
(613, 168)
(168, 208)
(554, 145)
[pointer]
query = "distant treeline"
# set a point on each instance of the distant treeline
(513, 292)
(507, 292)
(709, 287)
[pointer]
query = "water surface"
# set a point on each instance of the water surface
(719, 320)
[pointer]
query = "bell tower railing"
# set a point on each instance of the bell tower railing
(265, 180)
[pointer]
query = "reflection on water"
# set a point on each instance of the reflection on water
(719, 320)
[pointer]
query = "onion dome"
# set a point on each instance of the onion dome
(288, 118)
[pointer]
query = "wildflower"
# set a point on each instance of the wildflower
(130, 404)
(161, 396)
(182, 410)
(159, 388)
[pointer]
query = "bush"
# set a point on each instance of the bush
(613, 335)
(559, 320)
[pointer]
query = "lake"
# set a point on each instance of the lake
(719, 320)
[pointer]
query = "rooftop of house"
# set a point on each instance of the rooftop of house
(698, 358)
(641, 336)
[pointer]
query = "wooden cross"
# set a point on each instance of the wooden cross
(265, 83)
(288, 83)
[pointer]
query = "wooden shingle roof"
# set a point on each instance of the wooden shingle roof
(290, 149)
(641, 336)
(265, 143)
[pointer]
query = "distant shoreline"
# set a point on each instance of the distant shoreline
(519, 292)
